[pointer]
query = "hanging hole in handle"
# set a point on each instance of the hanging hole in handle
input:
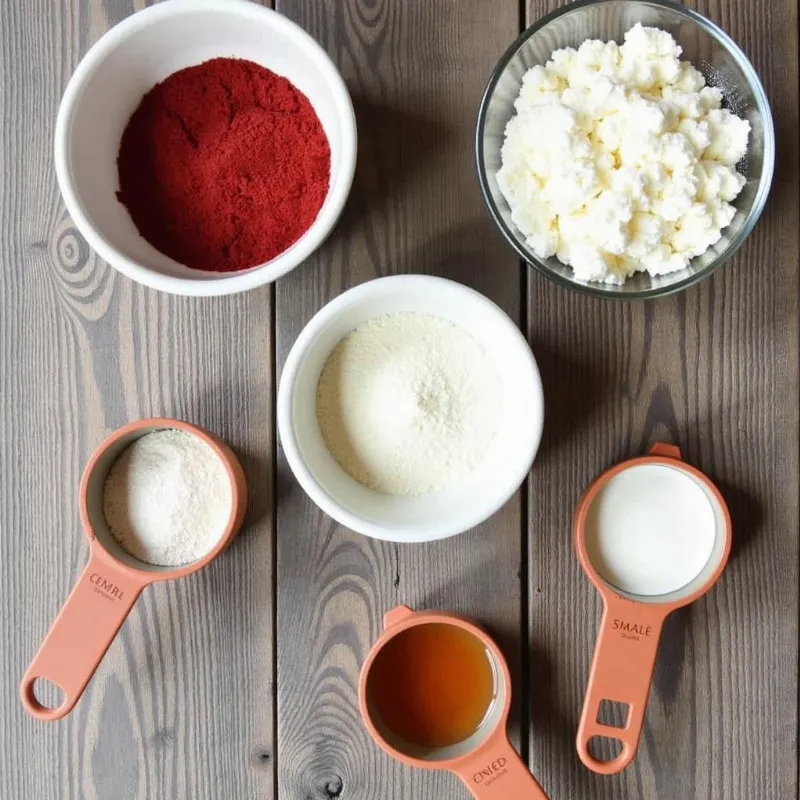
(604, 748)
(613, 713)
(44, 695)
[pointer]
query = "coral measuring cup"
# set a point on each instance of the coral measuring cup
(112, 580)
(653, 534)
(486, 761)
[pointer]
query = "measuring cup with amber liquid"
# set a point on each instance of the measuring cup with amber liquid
(653, 534)
(435, 692)
(113, 579)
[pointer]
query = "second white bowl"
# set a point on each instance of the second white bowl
(438, 514)
(125, 64)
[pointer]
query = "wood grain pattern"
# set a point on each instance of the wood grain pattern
(714, 370)
(416, 72)
(182, 705)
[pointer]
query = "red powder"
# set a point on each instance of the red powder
(223, 165)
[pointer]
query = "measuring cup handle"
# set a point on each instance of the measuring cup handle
(80, 635)
(622, 670)
(496, 772)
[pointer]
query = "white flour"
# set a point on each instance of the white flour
(168, 498)
(408, 403)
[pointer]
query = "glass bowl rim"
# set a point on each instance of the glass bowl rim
(764, 183)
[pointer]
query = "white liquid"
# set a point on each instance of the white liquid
(650, 530)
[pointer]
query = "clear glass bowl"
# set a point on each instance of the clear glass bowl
(711, 51)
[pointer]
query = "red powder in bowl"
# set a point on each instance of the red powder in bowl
(224, 165)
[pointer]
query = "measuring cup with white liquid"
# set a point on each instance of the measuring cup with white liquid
(653, 534)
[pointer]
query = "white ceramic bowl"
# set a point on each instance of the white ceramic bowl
(431, 516)
(125, 64)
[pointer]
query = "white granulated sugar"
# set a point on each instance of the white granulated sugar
(408, 403)
(620, 159)
(167, 499)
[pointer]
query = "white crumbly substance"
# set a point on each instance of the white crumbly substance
(408, 403)
(620, 159)
(167, 499)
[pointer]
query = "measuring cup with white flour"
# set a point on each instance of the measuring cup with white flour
(108, 587)
(653, 534)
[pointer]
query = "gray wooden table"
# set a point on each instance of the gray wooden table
(240, 682)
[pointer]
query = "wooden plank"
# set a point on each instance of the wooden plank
(715, 370)
(416, 72)
(182, 704)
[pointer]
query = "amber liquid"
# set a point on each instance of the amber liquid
(432, 685)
